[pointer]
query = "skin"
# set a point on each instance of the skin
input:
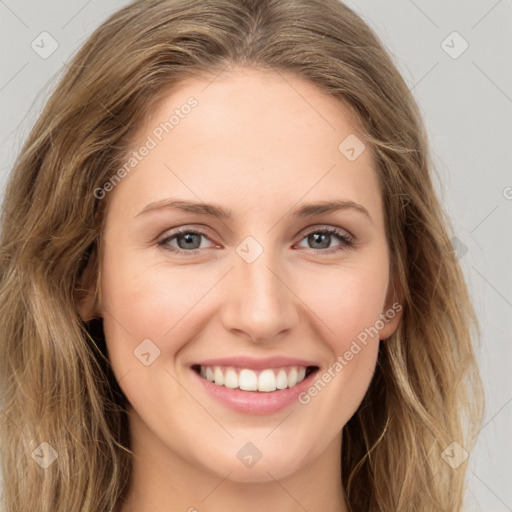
(260, 144)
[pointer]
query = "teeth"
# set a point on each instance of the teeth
(230, 380)
(292, 377)
(282, 380)
(218, 376)
(267, 381)
(249, 380)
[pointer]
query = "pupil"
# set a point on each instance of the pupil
(314, 237)
(188, 241)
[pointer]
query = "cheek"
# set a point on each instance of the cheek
(148, 300)
(346, 300)
(148, 316)
(348, 303)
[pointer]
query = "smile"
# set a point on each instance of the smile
(245, 379)
(250, 385)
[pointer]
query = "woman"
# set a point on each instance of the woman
(255, 370)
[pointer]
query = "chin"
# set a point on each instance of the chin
(275, 468)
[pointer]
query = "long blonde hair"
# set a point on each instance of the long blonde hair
(56, 384)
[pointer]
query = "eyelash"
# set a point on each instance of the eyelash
(347, 240)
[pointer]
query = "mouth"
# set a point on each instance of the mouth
(267, 380)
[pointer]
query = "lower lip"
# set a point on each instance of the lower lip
(254, 402)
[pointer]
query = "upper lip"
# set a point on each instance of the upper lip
(253, 363)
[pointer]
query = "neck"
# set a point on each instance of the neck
(161, 479)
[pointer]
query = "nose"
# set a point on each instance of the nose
(259, 304)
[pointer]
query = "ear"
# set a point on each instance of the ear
(86, 304)
(393, 309)
(86, 291)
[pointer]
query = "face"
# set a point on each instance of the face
(274, 296)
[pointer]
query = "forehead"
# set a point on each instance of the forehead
(253, 138)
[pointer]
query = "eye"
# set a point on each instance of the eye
(321, 238)
(188, 241)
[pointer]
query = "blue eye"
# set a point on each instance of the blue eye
(323, 237)
(188, 241)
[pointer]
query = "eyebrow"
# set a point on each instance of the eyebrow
(212, 210)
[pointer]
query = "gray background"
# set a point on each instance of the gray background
(466, 102)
